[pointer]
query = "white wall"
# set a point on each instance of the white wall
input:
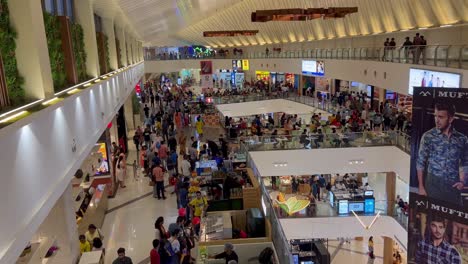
(37, 161)
(393, 76)
(334, 227)
(334, 160)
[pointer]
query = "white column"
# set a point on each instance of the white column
(60, 225)
(108, 27)
(128, 40)
(85, 17)
(129, 117)
(32, 53)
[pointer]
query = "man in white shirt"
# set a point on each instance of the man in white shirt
(185, 167)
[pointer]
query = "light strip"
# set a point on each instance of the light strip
(375, 219)
(447, 25)
(75, 86)
(50, 101)
(13, 116)
(20, 108)
(87, 84)
(73, 91)
(359, 219)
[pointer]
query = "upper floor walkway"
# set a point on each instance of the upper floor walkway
(451, 56)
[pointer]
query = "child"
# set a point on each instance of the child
(135, 170)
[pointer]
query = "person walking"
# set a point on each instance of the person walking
(155, 258)
(370, 245)
(158, 189)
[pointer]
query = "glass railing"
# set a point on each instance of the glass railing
(362, 139)
(325, 140)
(453, 56)
(328, 209)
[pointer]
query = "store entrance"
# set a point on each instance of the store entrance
(122, 129)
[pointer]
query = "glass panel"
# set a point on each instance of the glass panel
(70, 10)
(49, 6)
(60, 8)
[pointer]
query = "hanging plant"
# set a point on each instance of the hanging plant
(56, 56)
(79, 51)
(14, 80)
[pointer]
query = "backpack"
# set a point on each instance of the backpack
(166, 250)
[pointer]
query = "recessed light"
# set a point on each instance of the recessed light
(50, 101)
(13, 116)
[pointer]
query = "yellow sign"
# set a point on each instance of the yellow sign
(245, 65)
(262, 73)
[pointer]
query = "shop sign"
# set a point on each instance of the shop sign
(245, 65)
(262, 72)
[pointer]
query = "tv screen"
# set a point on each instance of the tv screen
(356, 206)
(427, 78)
(314, 68)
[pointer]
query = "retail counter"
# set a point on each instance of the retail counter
(96, 210)
(359, 201)
(247, 252)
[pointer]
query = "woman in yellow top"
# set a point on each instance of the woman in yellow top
(199, 126)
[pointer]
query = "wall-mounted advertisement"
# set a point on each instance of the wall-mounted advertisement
(207, 81)
(312, 67)
(427, 78)
(438, 216)
(206, 67)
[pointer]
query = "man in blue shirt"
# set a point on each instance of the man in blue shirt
(435, 249)
(443, 158)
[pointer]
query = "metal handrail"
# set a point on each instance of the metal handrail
(401, 54)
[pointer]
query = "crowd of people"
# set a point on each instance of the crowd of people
(162, 144)
(416, 48)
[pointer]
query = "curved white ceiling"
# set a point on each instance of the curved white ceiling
(175, 22)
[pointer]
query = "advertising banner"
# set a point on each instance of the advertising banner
(438, 215)
(245, 65)
(427, 78)
(206, 67)
(314, 68)
(207, 81)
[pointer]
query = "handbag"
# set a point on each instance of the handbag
(151, 183)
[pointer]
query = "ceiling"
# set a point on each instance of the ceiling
(180, 22)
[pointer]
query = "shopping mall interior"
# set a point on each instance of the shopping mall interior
(233, 131)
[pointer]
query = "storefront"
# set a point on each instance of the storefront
(263, 76)
(189, 76)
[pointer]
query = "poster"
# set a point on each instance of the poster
(438, 215)
(207, 81)
(206, 67)
(427, 78)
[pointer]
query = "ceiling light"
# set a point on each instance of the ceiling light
(421, 28)
(50, 101)
(13, 116)
(87, 84)
(447, 25)
(22, 107)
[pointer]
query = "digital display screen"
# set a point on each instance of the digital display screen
(343, 207)
(356, 206)
(369, 206)
(296, 259)
(102, 159)
(426, 78)
(314, 68)
(369, 193)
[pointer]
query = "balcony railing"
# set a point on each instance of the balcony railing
(453, 56)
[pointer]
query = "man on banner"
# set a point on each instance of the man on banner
(443, 158)
(435, 249)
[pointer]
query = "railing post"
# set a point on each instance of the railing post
(447, 55)
(460, 56)
(435, 55)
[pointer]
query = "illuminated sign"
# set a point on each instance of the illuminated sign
(245, 65)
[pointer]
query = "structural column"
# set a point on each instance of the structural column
(123, 45)
(85, 17)
(32, 53)
(390, 186)
(108, 27)
(388, 250)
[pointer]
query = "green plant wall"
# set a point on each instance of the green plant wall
(79, 52)
(106, 45)
(14, 80)
(56, 56)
